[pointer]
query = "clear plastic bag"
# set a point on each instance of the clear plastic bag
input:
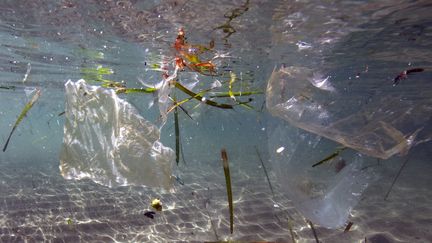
(106, 140)
(371, 120)
(324, 194)
(375, 122)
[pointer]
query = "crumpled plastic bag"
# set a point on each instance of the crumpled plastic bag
(107, 141)
(318, 115)
(376, 121)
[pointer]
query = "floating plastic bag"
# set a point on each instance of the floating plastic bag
(106, 140)
(378, 121)
(372, 125)
(324, 194)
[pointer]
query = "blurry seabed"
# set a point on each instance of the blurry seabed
(38, 205)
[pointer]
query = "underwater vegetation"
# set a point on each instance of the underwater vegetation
(188, 57)
(404, 74)
(330, 157)
(397, 176)
(23, 113)
(183, 54)
(265, 170)
(313, 231)
(228, 187)
(227, 28)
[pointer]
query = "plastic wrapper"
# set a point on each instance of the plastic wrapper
(378, 121)
(325, 194)
(107, 141)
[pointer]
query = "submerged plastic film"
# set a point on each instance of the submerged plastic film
(324, 194)
(376, 123)
(107, 141)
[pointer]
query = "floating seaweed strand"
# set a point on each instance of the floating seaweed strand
(7, 87)
(330, 157)
(230, 15)
(228, 187)
(313, 231)
(177, 134)
(291, 230)
(348, 227)
(265, 170)
(397, 176)
(26, 108)
(187, 56)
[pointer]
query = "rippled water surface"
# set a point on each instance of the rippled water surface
(362, 47)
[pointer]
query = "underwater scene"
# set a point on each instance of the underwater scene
(216, 121)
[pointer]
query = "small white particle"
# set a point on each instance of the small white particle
(279, 150)
(303, 45)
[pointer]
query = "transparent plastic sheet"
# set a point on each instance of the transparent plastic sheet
(373, 122)
(107, 141)
(325, 194)
(376, 121)
(339, 82)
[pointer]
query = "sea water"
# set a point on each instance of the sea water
(359, 47)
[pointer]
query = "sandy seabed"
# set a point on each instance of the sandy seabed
(37, 205)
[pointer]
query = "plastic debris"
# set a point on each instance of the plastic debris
(378, 124)
(107, 141)
(27, 73)
(362, 116)
(322, 194)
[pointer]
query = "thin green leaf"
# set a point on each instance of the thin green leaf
(228, 187)
(200, 94)
(231, 82)
(201, 98)
(291, 229)
(313, 231)
(26, 108)
(236, 94)
(8, 87)
(265, 170)
(330, 157)
(135, 90)
(177, 135)
(397, 176)
(186, 112)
